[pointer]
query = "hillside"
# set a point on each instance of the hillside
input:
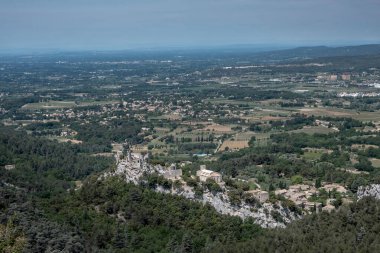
(318, 52)
(352, 229)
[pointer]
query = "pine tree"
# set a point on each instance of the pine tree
(186, 244)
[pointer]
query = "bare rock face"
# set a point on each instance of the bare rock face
(267, 215)
(372, 190)
(262, 215)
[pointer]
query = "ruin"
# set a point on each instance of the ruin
(173, 173)
(261, 196)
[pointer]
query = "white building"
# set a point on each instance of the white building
(10, 167)
(205, 174)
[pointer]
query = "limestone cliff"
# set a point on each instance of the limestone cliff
(135, 166)
(372, 190)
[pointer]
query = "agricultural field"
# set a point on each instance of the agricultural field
(315, 130)
(336, 112)
(375, 162)
(233, 145)
(304, 135)
(50, 105)
(218, 129)
(312, 155)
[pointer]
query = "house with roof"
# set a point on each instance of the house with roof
(205, 174)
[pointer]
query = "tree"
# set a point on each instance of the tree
(297, 179)
(252, 141)
(318, 183)
(364, 164)
(357, 183)
(186, 244)
(212, 186)
(11, 240)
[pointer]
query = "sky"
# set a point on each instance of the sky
(126, 24)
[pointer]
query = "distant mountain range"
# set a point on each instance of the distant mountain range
(318, 52)
(243, 53)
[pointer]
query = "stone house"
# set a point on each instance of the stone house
(337, 187)
(205, 174)
(172, 172)
(260, 195)
(328, 208)
(10, 167)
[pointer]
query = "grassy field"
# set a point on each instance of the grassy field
(363, 146)
(50, 105)
(218, 128)
(231, 102)
(375, 162)
(64, 104)
(64, 139)
(312, 155)
(233, 145)
(368, 116)
(337, 112)
(245, 136)
(314, 130)
(261, 139)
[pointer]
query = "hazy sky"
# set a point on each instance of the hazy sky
(122, 24)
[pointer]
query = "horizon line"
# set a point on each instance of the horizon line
(257, 46)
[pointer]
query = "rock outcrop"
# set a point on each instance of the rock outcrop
(372, 190)
(267, 215)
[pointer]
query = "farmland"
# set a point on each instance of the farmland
(303, 136)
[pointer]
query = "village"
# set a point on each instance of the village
(190, 151)
(232, 135)
(135, 167)
(173, 127)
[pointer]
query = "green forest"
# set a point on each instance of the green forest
(42, 211)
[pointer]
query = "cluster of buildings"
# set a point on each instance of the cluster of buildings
(326, 124)
(204, 174)
(323, 123)
(134, 165)
(358, 94)
(301, 193)
(68, 132)
(334, 77)
(139, 163)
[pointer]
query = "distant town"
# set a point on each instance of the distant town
(194, 147)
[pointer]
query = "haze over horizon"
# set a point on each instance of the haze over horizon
(117, 25)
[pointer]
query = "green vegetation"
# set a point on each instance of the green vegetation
(352, 229)
(105, 214)
(64, 116)
(11, 240)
